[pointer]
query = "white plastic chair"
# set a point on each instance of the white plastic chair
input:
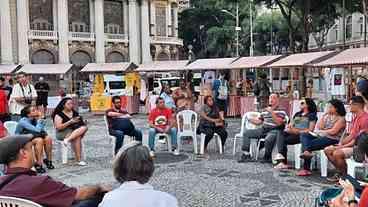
(187, 128)
(218, 141)
(168, 140)
(16, 202)
(11, 126)
(245, 124)
(352, 165)
(323, 159)
(112, 139)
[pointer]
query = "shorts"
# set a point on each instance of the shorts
(60, 135)
(41, 102)
(348, 152)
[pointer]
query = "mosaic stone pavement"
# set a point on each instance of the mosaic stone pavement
(194, 180)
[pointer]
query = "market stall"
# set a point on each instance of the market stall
(58, 76)
(291, 71)
(7, 69)
(113, 79)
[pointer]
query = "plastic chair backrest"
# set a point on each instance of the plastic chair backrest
(187, 121)
(106, 125)
(17, 202)
(247, 116)
(11, 126)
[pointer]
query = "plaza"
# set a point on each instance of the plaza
(195, 180)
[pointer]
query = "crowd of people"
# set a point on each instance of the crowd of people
(30, 149)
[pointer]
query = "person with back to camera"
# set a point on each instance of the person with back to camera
(133, 167)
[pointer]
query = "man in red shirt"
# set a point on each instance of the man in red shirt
(21, 182)
(344, 150)
(161, 121)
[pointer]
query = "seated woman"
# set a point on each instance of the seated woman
(303, 121)
(32, 123)
(70, 127)
(210, 122)
(133, 167)
(329, 131)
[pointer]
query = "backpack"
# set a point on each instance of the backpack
(326, 196)
(3, 102)
(222, 90)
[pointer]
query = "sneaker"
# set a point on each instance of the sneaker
(176, 152)
(81, 163)
(152, 153)
(39, 169)
(245, 158)
(49, 164)
(335, 178)
(279, 157)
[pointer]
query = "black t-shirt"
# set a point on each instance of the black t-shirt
(42, 89)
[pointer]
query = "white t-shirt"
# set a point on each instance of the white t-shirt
(135, 194)
(28, 91)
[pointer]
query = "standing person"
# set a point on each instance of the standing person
(32, 123)
(161, 121)
(220, 90)
(262, 90)
(271, 122)
(120, 124)
(70, 127)
(183, 96)
(338, 154)
(16, 152)
(362, 90)
(42, 89)
(166, 95)
(210, 122)
(5, 92)
(23, 94)
(133, 167)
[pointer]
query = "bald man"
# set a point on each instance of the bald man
(269, 124)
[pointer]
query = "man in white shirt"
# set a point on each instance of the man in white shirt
(23, 94)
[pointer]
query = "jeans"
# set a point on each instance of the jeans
(284, 139)
(119, 134)
(311, 143)
(270, 136)
(152, 134)
(92, 202)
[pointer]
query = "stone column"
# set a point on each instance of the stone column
(125, 17)
(146, 54)
(100, 31)
(54, 15)
(6, 34)
(23, 27)
(133, 33)
(153, 18)
(168, 19)
(176, 23)
(91, 16)
(63, 31)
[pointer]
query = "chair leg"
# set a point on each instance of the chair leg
(202, 138)
(219, 143)
(234, 147)
(169, 146)
(84, 154)
(351, 167)
(297, 152)
(257, 150)
(324, 164)
(195, 143)
(64, 153)
(113, 140)
(253, 146)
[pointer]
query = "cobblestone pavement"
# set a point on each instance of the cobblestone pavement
(195, 181)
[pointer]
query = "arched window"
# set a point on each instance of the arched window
(115, 57)
(43, 57)
(80, 58)
(163, 57)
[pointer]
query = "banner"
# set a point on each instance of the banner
(100, 103)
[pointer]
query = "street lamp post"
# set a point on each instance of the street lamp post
(237, 27)
(251, 28)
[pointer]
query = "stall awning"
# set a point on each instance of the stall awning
(211, 64)
(108, 67)
(356, 56)
(301, 59)
(46, 68)
(163, 66)
(7, 69)
(254, 62)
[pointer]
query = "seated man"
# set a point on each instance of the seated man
(161, 121)
(32, 123)
(21, 182)
(120, 124)
(271, 122)
(338, 153)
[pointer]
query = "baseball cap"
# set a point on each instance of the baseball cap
(361, 148)
(10, 146)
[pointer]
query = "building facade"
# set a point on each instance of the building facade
(84, 31)
(334, 38)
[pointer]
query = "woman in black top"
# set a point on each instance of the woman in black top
(70, 127)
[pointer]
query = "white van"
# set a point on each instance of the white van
(172, 82)
(114, 85)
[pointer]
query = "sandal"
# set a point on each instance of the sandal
(49, 164)
(39, 169)
(281, 166)
(304, 173)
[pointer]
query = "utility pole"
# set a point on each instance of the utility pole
(237, 28)
(251, 28)
(343, 24)
(365, 11)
